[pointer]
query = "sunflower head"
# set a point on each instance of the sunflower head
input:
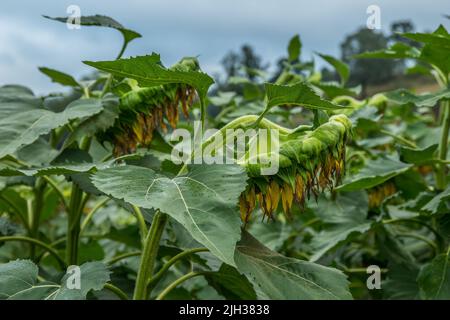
(144, 109)
(310, 162)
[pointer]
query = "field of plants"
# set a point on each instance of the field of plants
(92, 205)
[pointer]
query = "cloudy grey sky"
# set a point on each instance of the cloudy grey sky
(176, 28)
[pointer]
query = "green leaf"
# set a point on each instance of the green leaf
(439, 202)
(93, 276)
(19, 281)
(333, 89)
(439, 38)
(401, 283)
(403, 96)
(279, 277)
(99, 122)
(299, 94)
(398, 50)
(273, 234)
(294, 48)
(53, 169)
(101, 21)
(60, 77)
(20, 276)
(148, 71)
(23, 128)
(435, 50)
(203, 201)
(38, 153)
(341, 68)
(434, 278)
(374, 173)
(418, 156)
(231, 284)
(343, 217)
(15, 99)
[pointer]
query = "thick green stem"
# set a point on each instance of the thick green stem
(141, 222)
(241, 122)
(36, 213)
(149, 254)
(76, 206)
(441, 175)
(73, 225)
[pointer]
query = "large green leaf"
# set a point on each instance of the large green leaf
(374, 173)
(341, 68)
(434, 278)
(204, 201)
(148, 71)
(298, 94)
(403, 96)
(101, 21)
(60, 77)
(279, 277)
(19, 281)
(343, 217)
(23, 128)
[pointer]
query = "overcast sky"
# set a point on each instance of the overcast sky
(176, 28)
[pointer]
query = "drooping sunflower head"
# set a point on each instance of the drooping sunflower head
(145, 109)
(309, 163)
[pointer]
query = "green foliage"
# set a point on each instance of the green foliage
(87, 178)
(292, 279)
(19, 281)
(148, 71)
(60, 77)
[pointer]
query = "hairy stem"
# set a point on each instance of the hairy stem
(73, 225)
(36, 213)
(149, 253)
(441, 175)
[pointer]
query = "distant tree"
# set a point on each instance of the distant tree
(329, 75)
(243, 62)
(403, 26)
(231, 64)
(367, 71)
